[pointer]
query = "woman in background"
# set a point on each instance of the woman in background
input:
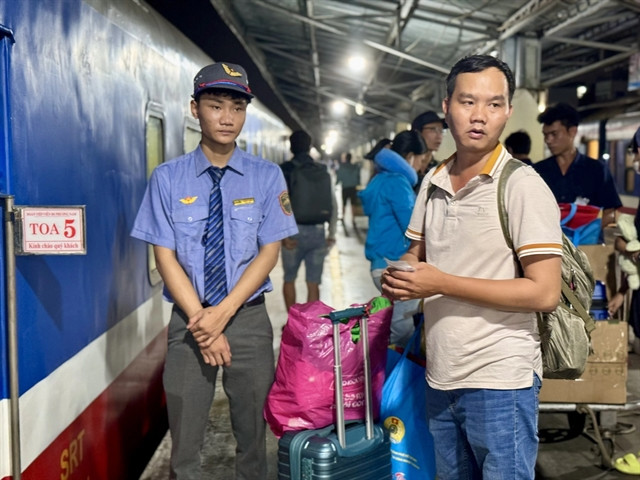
(388, 202)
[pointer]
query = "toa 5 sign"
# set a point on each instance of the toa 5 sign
(51, 230)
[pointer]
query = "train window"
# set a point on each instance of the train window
(154, 157)
(191, 134)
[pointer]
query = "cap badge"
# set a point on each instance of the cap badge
(230, 71)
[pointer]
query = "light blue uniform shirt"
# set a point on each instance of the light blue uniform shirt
(175, 207)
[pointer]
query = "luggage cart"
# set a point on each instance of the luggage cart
(604, 428)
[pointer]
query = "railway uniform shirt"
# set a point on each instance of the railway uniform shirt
(470, 346)
(175, 207)
(586, 178)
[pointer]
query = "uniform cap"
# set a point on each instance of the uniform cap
(223, 76)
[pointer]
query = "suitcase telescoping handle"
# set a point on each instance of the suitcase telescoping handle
(336, 318)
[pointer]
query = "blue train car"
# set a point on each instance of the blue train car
(609, 139)
(94, 94)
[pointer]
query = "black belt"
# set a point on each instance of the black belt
(259, 300)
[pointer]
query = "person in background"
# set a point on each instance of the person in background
(620, 245)
(572, 176)
(215, 217)
(312, 243)
(388, 201)
(431, 128)
(518, 144)
(484, 365)
(348, 176)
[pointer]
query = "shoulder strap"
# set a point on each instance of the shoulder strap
(509, 167)
(589, 323)
(430, 189)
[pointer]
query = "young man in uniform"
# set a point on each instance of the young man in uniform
(484, 365)
(215, 218)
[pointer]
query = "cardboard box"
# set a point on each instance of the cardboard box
(605, 377)
(603, 263)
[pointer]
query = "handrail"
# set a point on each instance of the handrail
(12, 335)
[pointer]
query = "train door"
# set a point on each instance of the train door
(9, 423)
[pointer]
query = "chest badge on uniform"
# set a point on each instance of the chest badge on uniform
(285, 203)
(188, 200)
(243, 201)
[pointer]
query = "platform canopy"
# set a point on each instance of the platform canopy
(299, 51)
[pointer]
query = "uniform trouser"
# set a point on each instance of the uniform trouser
(189, 384)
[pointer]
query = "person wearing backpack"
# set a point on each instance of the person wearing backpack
(314, 204)
(484, 362)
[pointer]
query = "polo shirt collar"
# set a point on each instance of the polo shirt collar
(493, 165)
(495, 162)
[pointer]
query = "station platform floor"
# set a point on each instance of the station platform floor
(567, 452)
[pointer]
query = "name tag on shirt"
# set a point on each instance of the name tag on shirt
(243, 201)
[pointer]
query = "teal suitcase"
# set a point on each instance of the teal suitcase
(356, 451)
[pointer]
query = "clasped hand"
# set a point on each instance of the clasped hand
(207, 326)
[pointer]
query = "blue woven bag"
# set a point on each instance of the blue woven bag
(403, 413)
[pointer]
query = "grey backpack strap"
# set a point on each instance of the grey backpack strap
(509, 167)
(430, 189)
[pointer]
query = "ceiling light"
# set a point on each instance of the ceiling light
(581, 90)
(359, 108)
(339, 107)
(542, 100)
(357, 63)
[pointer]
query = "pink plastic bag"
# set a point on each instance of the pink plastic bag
(302, 395)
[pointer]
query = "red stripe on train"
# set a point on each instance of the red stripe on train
(117, 434)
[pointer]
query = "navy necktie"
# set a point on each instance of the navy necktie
(215, 281)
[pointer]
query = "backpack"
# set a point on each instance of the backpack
(310, 192)
(565, 333)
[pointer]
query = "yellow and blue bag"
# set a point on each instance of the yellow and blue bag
(403, 413)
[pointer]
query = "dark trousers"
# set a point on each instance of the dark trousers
(190, 385)
(349, 193)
